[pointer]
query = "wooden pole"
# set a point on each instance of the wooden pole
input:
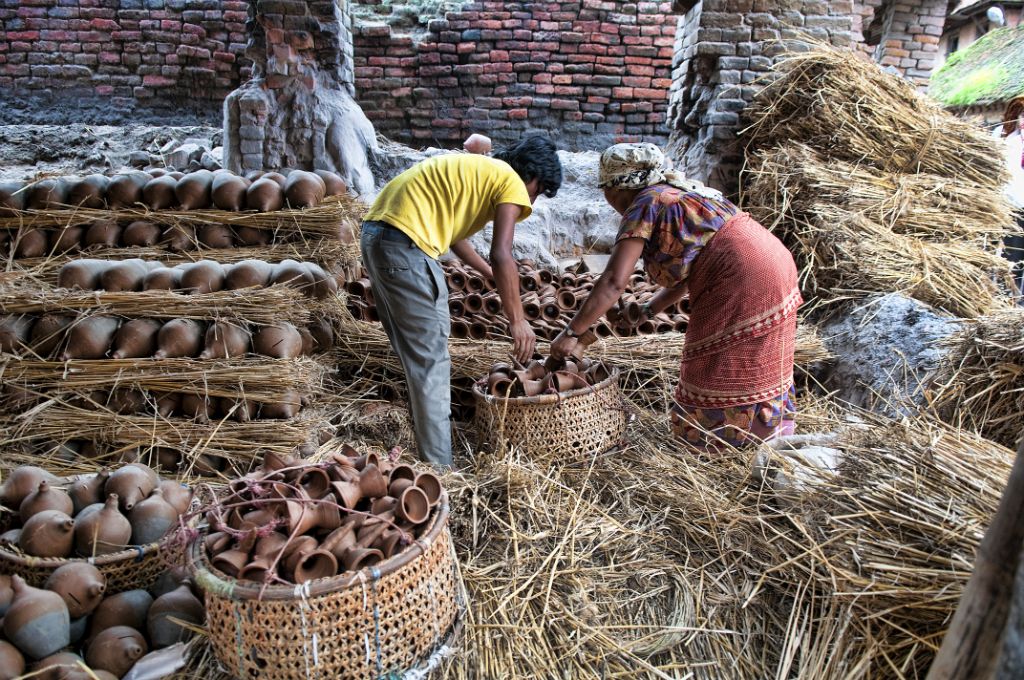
(972, 646)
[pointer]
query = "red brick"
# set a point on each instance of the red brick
(104, 25)
(623, 92)
(518, 114)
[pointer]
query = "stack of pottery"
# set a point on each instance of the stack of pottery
(293, 522)
(535, 378)
(89, 516)
(45, 629)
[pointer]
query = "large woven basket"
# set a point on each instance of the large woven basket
(581, 421)
(379, 621)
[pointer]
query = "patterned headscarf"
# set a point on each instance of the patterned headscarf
(638, 166)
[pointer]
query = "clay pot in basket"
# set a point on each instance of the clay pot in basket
(88, 490)
(303, 517)
(131, 483)
(37, 621)
(49, 533)
(103, 531)
(179, 604)
(21, 482)
(302, 566)
(339, 540)
(356, 558)
(123, 609)
(413, 505)
(151, 518)
(231, 562)
(80, 585)
(430, 485)
(177, 494)
(12, 663)
(116, 650)
(45, 497)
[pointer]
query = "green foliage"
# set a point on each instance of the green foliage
(984, 72)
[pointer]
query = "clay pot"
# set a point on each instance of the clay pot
(136, 339)
(125, 190)
(231, 562)
(253, 236)
(396, 487)
(61, 666)
(499, 384)
(228, 191)
(413, 505)
(177, 494)
(129, 608)
(179, 238)
(168, 404)
(280, 341)
(248, 274)
(102, 531)
(358, 558)
(169, 581)
(81, 274)
(87, 490)
(334, 184)
(322, 333)
(240, 410)
(89, 191)
(315, 482)
(199, 407)
(159, 193)
(6, 593)
(12, 197)
(141, 234)
(391, 542)
(10, 537)
(80, 585)
(37, 622)
(194, 189)
(102, 233)
(293, 274)
(21, 482)
(179, 338)
(339, 540)
(303, 517)
(307, 566)
(90, 338)
(257, 569)
(45, 497)
(46, 194)
(225, 339)
(116, 650)
(31, 242)
(216, 236)
(48, 533)
(131, 483)
(67, 239)
(205, 276)
(264, 195)
(429, 483)
(48, 332)
(15, 332)
(152, 518)
(304, 189)
(12, 663)
(162, 278)
(79, 627)
(180, 604)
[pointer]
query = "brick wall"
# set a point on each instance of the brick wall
(911, 30)
(110, 56)
(594, 72)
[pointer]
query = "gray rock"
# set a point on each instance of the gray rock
(886, 350)
(183, 155)
(209, 162)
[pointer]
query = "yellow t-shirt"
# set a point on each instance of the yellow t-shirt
(447, 198)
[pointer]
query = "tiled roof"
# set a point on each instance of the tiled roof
(986, 72)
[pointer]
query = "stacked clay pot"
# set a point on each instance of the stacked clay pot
(536, 378)
(52, 632)
(293, 522)
(549, 303)
(91, 515)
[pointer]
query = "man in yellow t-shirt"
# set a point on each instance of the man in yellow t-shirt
(433, 207)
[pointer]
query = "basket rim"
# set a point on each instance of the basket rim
(215, 584)
(612, 379)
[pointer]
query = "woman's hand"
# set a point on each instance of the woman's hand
(524, 341)
(563, 346)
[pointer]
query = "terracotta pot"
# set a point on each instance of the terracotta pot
(177, 494)
(310, 565)
(179, 604)
(80, 585)
(225, 339)
(247, 274)
(78, 628)
(303, 517)
(315, 482)
(372, 481)
(179, 338)
(21, 482)
(430, 485)
(339, 540)
(49, 533)
(151, 519)
(6, 593)
(231, 562)
(499, 384)
(357, 558)
(168, 581)
(257, 569)
(216, 542)
(10, 537)
(46, 497)
(102, 531)
(391, 542)
(413, 505)
(61, 666)
(12, 663)
(273, 461)
(37, 622)
(131, 484)
(399, 485)
(123, 609)
(271, 544)
(116, 650)
(87, 490)
(531, 388)
(136, 339)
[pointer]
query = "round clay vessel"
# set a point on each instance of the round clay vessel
(179, 238)
(48, 333)
(124, 276)
(6, 593)
(136, 339)
(89, 191)
(116, 650)
(22, 481)
(12, 663)
(248, 274)
(413, 505)
(228, 191)
(429, 483)
(131, 483)
(129, 608)
(82, 274)
(193, 190)
(294, 274)
(125, 189)
(37, 622)
(103, 233)
(152, 518)
(304, 189)
(358, 558)
(48, 533)
(78, 628)
(80, 585)
(225, 339)
(46, 497)
(162, 278)
(335, 184)
(60, 666)
(180, 604)
(102, 531)
(179, 338)
(159, 193)
(280, 341)
(264, 195)
(216, 236)
(177, 494)
(90, 338)
(311, 565)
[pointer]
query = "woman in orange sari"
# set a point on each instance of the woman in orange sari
(736, 375)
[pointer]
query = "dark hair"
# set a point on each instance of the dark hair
(535, 157)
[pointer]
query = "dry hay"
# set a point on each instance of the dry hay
(849, 109)
(855, 232)
(980, 383)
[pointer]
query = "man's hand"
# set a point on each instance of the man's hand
(524, 341)
(563, 346)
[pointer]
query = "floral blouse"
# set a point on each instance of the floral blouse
(676, 225)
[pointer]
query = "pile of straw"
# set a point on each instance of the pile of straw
(980, 384)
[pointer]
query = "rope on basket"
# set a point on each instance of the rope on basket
(302, 595)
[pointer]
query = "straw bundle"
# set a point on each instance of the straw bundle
(851, 110)
(980, 384)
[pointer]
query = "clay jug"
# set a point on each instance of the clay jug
(12, 663)
(499, 385)
(48, 332)
(335, 185)
(248, 274)
(80, 585)
(46, 497)
(429, 483)
(294, 274)
(273, 461)
(253, 236)
(177, 494)
(287, 406)
(198, 406)
(136, 339)
(180, 604)
(225, 339)
(49, 533)
(122, 609)
(22, 481)
(304, 189)
(324, 285)
(37, 621)
(339, 540)
(179, 338)
(307, 340)
(216, 236)
(162, 278)
(151, 519)
(81, 274)
(168, 581)
(307, 566)
(264, 195)
(179, 238)
(193, 190)
(127, 401)
(228, 191)
(413, 505)
(131, 483)
(116, 650)
(280, 341)
(357, 558)
(103, 531)
(125, 189)
(6, 593)
(102, 233)
(90, 338)
(15, 332)
(124, 276)
(159, 193)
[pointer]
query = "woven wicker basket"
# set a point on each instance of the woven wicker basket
(382, 620)
(547, 426)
